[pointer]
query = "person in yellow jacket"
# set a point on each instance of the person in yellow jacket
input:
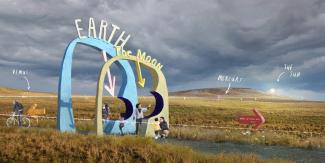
(156, 127)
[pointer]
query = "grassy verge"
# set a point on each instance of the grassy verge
(265, 138)
(295, 117)
(37, 145)
(216, 135)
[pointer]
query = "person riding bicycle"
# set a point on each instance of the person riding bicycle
(18, 109)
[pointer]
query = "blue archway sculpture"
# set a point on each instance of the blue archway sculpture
(127, 93)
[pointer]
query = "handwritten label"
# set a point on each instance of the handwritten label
(19, 72)
(289, 68)
(295, 74)
(102, 32)
(227, 78)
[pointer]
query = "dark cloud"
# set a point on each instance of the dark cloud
(194, 40)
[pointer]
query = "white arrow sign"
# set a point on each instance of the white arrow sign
(111, 88)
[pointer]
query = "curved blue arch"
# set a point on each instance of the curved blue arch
(65, 120)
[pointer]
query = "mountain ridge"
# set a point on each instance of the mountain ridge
(233, 92)
(199, 92)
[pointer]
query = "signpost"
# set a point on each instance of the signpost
(256, 120)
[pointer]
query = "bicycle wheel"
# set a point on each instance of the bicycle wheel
(25, 122)
(11, 122)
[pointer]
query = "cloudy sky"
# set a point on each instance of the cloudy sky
(195, 41)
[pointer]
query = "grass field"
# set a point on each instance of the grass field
(293, 123)
(48, 145)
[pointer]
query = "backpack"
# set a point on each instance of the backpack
(20, 106)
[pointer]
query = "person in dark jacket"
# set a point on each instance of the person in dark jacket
(18, 109)
(164, 128)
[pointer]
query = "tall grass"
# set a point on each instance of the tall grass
(37, 145)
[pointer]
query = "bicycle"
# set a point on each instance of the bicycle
(13, 120)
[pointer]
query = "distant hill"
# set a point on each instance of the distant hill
(4, 91)
(233, 92)
(204, 92)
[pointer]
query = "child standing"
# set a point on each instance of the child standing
(122, 123)
(156, 128)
